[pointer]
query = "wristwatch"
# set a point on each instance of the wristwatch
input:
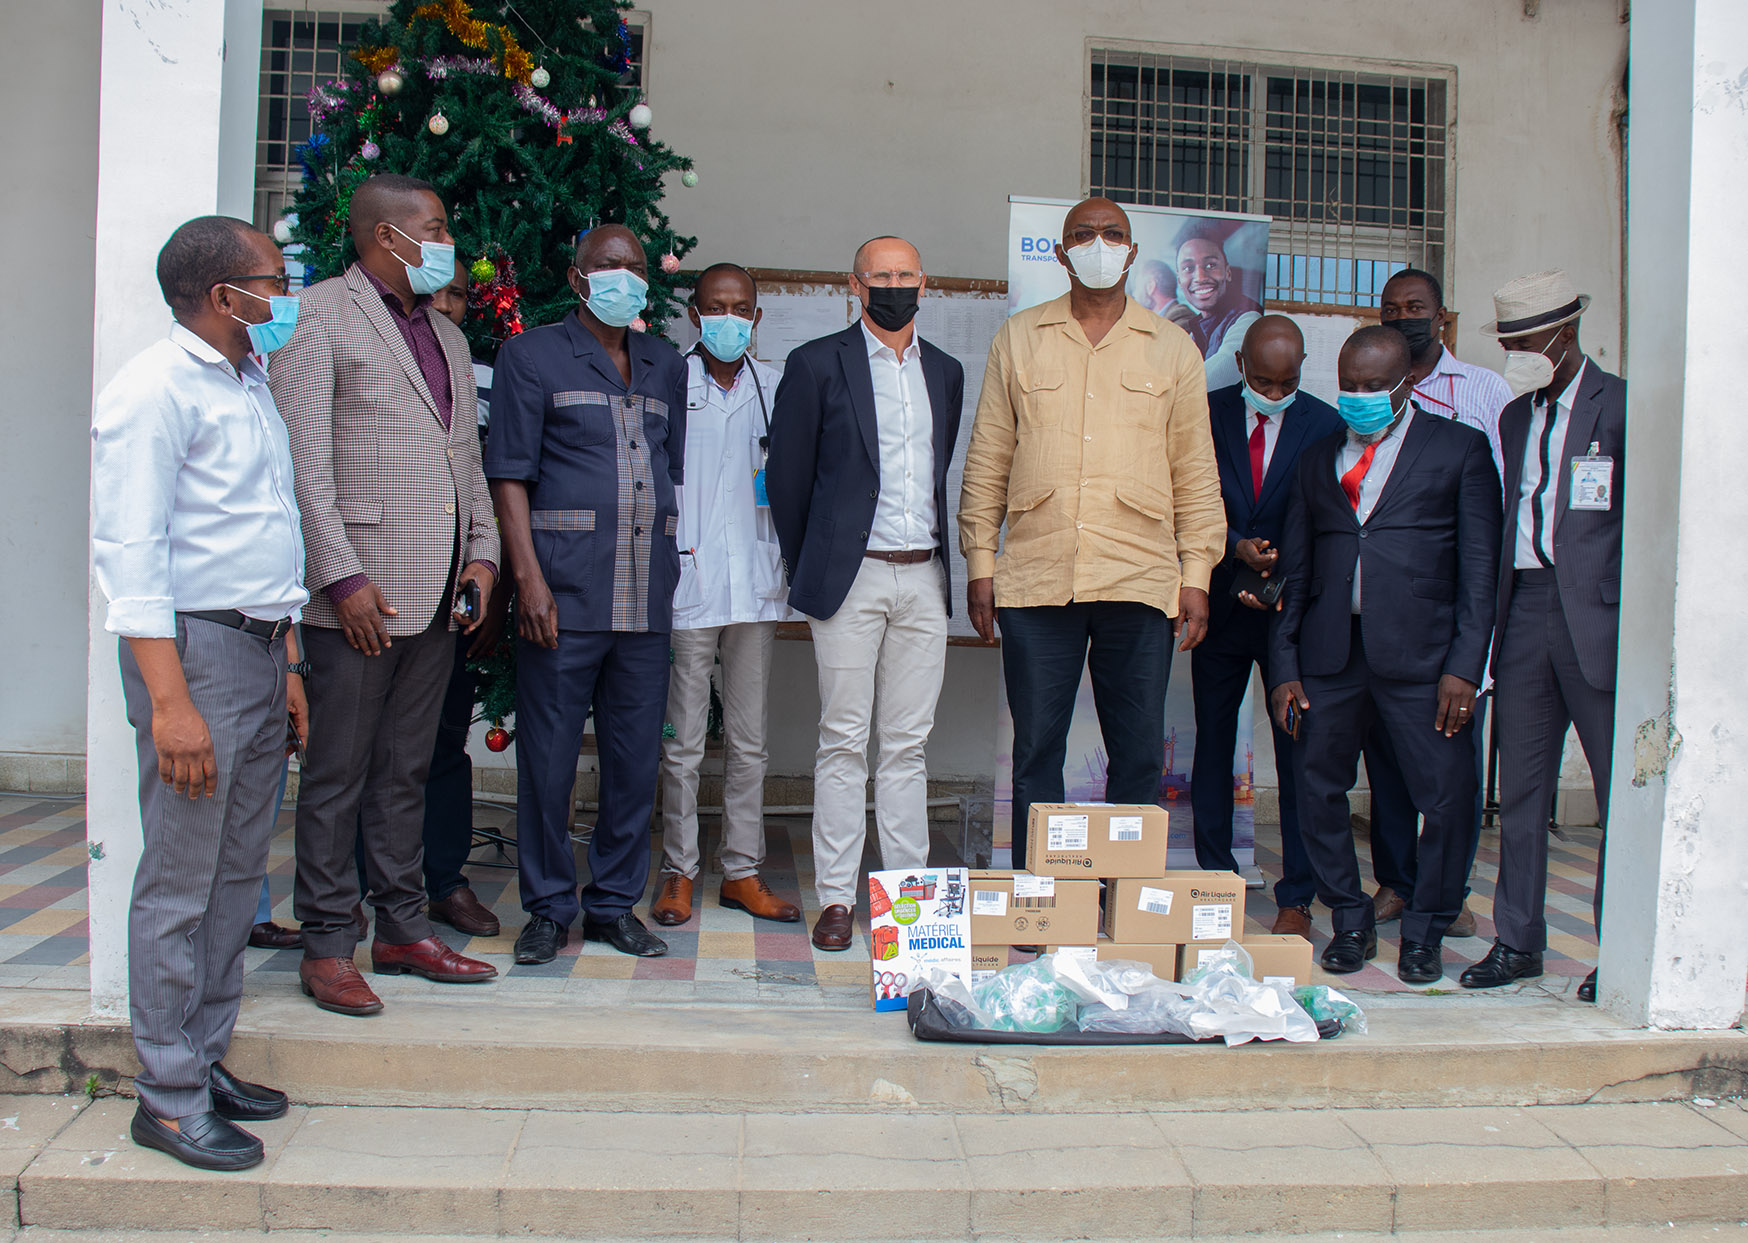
(301, 668)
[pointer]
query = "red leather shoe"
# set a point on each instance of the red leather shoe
(431, 959)
(334, 984)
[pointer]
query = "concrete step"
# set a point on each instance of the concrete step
(439, 1047)
(390, 1172)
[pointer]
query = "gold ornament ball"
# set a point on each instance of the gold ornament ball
(389, 82)
(438, 125)
(540, 79)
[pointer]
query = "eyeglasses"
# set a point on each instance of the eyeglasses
(281, 280)
(1114, 236)
(884, 279)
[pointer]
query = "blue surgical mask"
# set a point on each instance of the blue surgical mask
(617, 296)
(1366, 413)
(1258, 404)
(436, 266)
(266, 337)
(725, 336)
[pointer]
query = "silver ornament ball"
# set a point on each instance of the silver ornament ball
(282, 231)
(389, 82)
(540, 79)
(438, 125)
(688, 178)
(640, 116)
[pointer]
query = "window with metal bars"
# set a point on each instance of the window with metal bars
(303, 47)
(1352, 164)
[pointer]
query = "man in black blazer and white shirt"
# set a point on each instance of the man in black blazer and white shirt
(862, 433)
(1392, 547)
(1558, 618)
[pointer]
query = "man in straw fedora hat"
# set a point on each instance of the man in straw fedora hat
(1558, 624)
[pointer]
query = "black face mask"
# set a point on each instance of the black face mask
(891, 306)
(1418, 332)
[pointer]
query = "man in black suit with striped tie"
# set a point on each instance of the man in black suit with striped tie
(1558, 620)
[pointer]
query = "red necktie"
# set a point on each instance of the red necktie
(1350, 482)
(1256, 458)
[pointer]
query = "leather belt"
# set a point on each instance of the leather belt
(1533, 578)
(269, 630)
(901, 556)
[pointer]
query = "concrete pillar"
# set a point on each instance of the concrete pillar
(1673, 953)
(159, 89)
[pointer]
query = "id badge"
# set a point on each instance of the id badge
(759, 497)
(1592, 483)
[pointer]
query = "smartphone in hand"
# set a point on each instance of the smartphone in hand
(466, 608)
(1295, 719)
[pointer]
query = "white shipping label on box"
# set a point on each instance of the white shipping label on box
(1207, 958)
(917, 920)
(1155, 901)
(1065, 833)
(1210, 923)
(1083, 953)
(1125, 828)
(978, 977)
(1279, 979)
(1028, 886)
(989, 902)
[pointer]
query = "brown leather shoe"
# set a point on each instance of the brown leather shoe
(270, 936)
(834, 929)
(1463, 925)
(752, 895)
(337, 986)
(1292, 921)
(1387, 904)
(674, 904)
(362, 920)
(464, 912)
(429, 958)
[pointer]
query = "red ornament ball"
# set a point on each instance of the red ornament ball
(497, 738)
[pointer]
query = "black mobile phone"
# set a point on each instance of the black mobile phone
(1267, 590)
(467, 604)
(1295, 719)
(293, 744)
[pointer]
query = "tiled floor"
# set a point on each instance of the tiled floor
(718, 956)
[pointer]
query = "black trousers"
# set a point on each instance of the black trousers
(1395, 824)
(449, 788)
(1439, 771)
(1127, 648)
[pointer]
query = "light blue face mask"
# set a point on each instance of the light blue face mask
(436, 265)
(1366, 413)
(617, 296)
(1271, 407)
(725, 336)
(267, 337)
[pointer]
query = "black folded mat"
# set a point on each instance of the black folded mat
(927, 1022)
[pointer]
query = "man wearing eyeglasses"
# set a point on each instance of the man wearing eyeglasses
(862, 433)
(1091, 445)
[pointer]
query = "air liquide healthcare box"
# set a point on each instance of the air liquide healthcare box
(918, 918)
(1018, 908)
(1097, 840)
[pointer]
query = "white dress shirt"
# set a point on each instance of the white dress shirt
(1469, 394)
(731, 570)
(192, 507)
(1525, 557)
(1376, 476)
(904, 516)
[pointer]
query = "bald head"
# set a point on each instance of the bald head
(1381, 347)
(608, 246)
(1270, 360)
(1089, 221)
(886, 254)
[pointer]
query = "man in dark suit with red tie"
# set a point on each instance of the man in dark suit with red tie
(1260, 427)
(1391, 555)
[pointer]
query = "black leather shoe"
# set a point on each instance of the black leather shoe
(241, 1101)
(1420, 962)
(206, 1141)
(625, 934)
(1587, 990)
(1347, 952)
(540, 941)
(1501, 966)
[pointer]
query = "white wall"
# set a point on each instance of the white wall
(48, 68)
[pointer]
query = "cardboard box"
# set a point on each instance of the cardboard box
(986, 960)
(1283, 958)
(1097, 839)
(1163, 959)
(1018, 908)
(1175, 908)
(917, 919)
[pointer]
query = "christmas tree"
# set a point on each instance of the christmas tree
(522, 115)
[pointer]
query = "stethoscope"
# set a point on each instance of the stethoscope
(758, 388)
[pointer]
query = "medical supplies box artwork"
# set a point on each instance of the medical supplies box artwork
(918, 919)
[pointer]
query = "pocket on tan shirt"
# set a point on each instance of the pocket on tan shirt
(1041, 401)
(1146, 399)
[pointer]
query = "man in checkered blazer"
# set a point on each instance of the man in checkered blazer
(377, 389)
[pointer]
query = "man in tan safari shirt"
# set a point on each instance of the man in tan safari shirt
(1092, 443)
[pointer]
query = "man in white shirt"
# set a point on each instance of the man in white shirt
(728, 602)
(196, 543)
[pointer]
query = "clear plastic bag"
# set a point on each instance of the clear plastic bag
(1324, 1004)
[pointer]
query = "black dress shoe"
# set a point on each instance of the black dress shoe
(1501, 966)
(540, 941)
(625, 934)
(1347, 952)
(206, 1141)
(1420, 962)
(1587, 990)
(241, 1101)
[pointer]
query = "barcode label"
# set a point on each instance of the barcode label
(1065, 833)
(989, 902)
(1125, 828)
(1210, 923)
(1085, 953)
(978, 977)
(1207, 958)
(1035, 904)
(1029, 886)
(1154, 901)
(1278, 979)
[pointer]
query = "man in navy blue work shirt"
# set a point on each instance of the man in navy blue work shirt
(588, 436)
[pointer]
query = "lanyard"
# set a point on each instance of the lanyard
(1450, 392)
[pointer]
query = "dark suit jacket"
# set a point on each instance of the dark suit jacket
(1587, 542)
(823, 475)
(1305, 422)
(1429, 556)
